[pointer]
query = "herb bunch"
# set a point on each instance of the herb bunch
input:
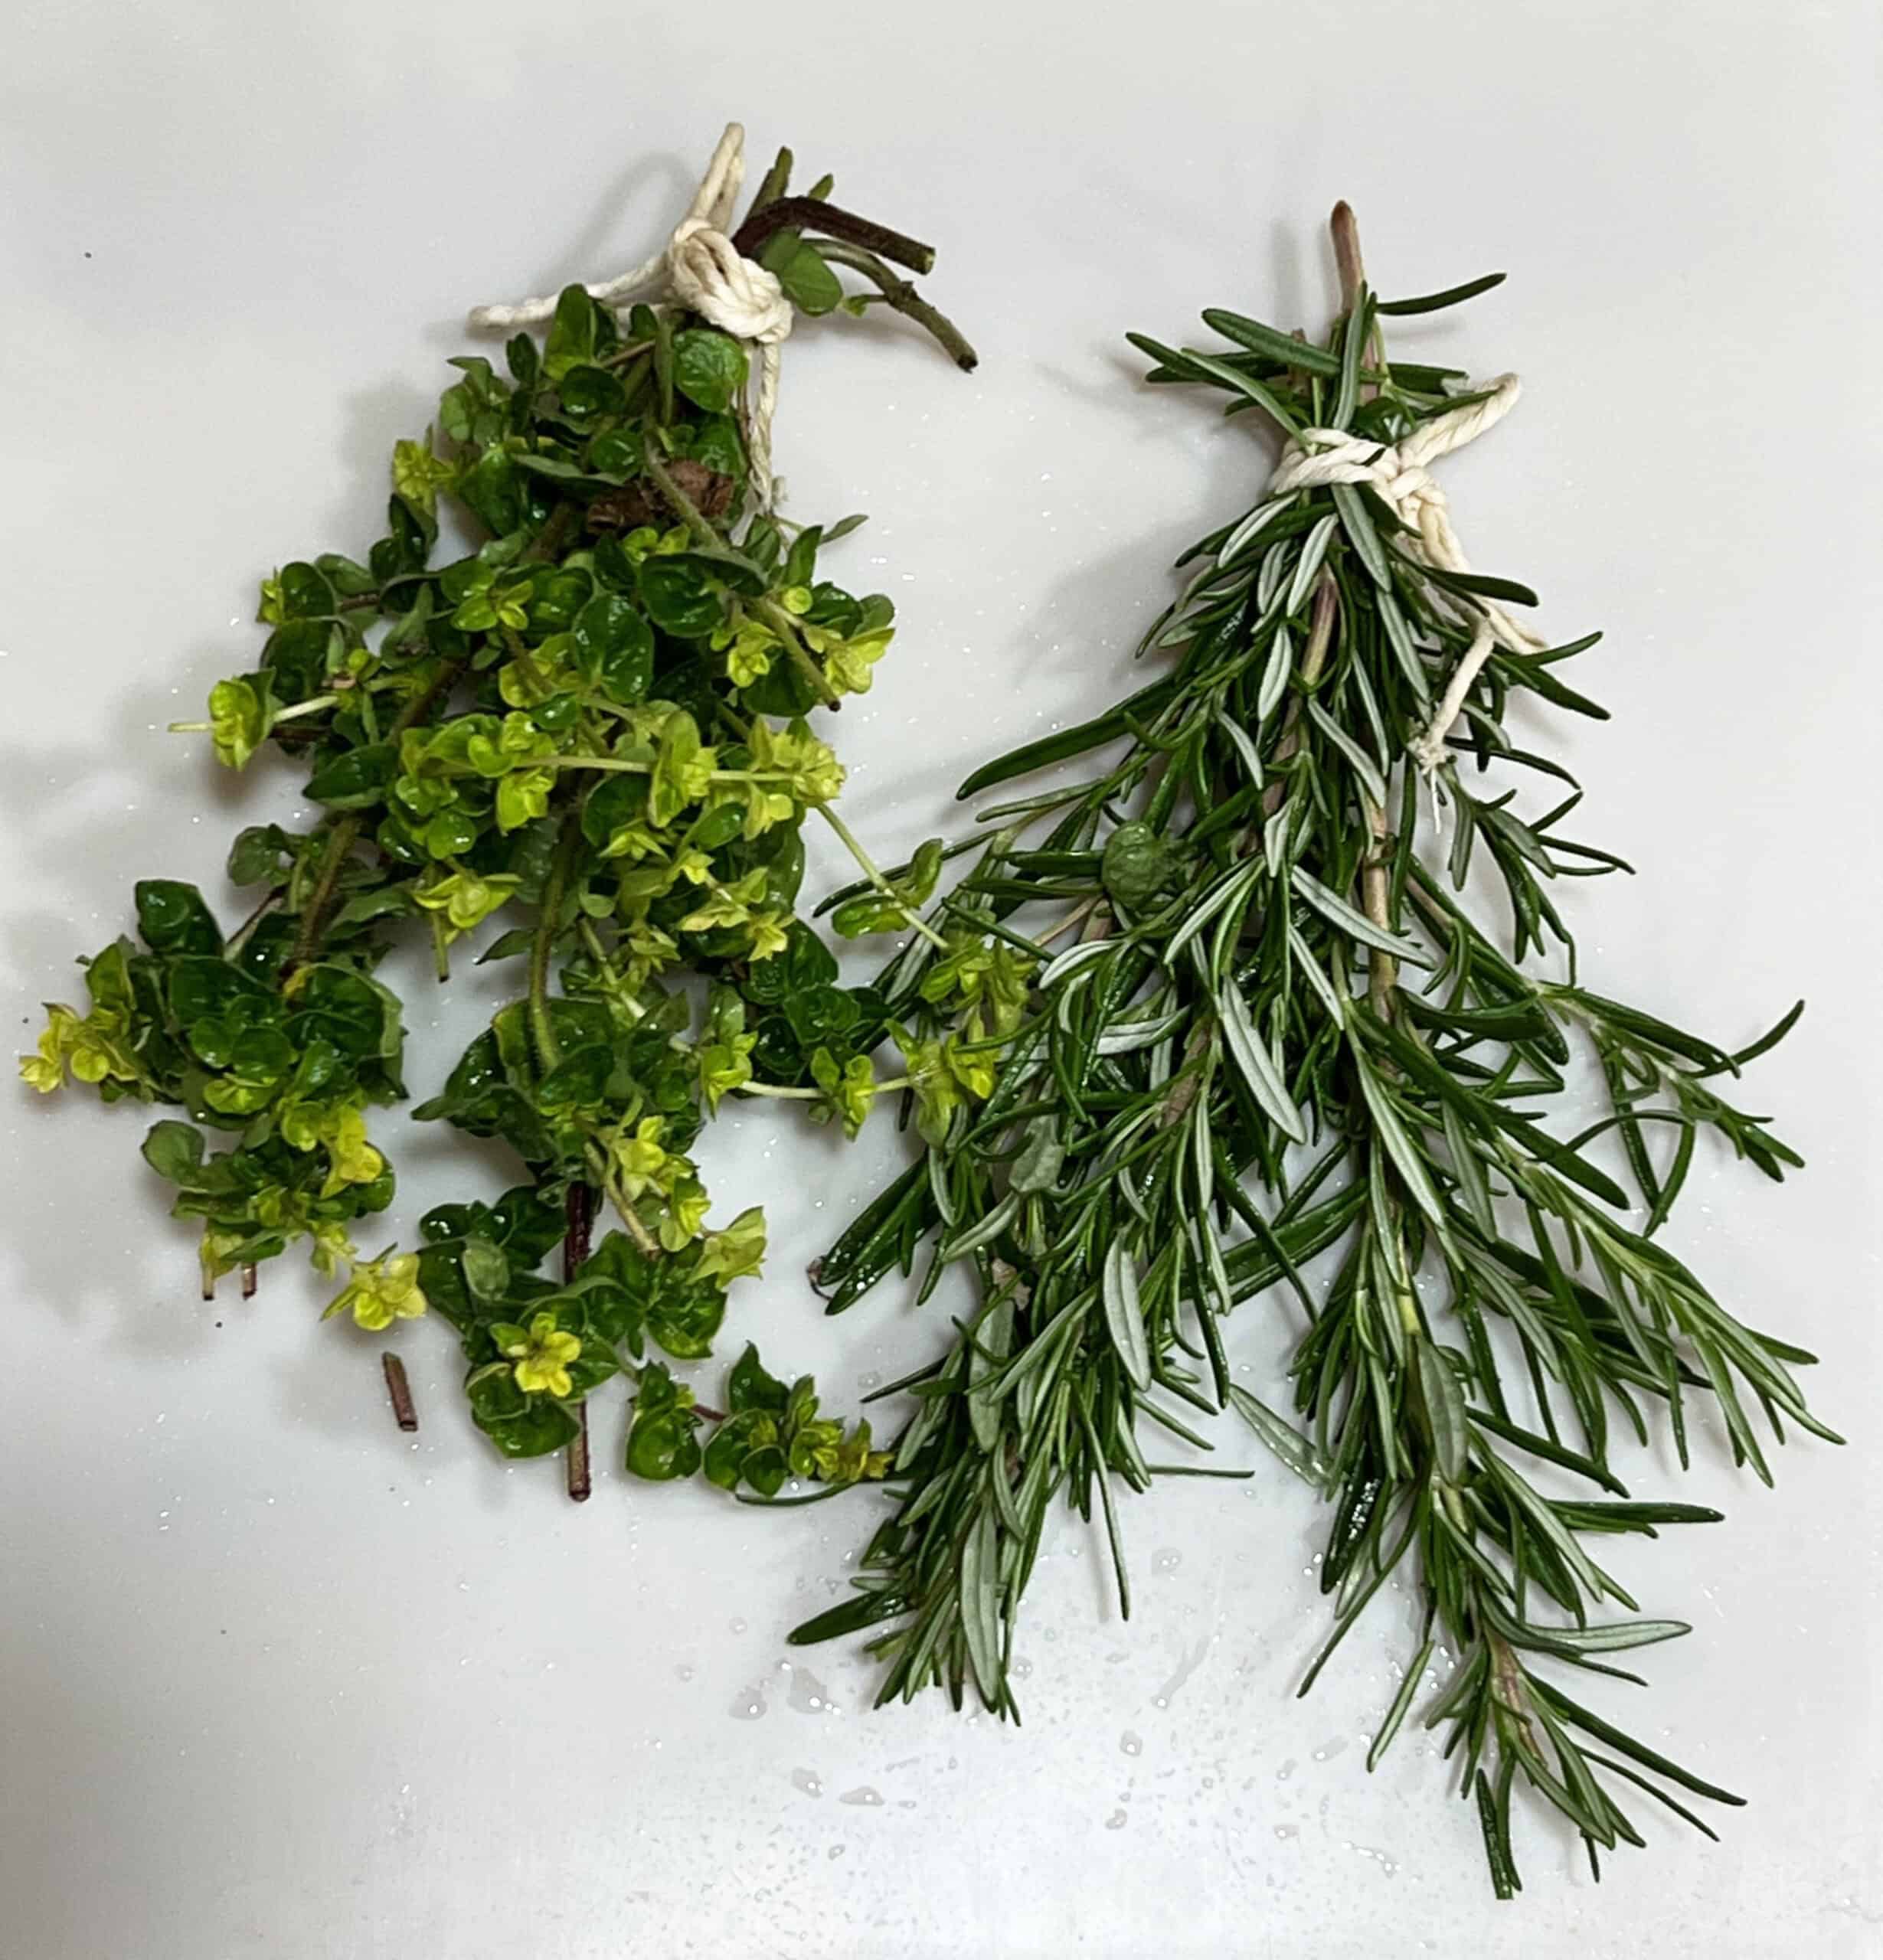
(593, 721)
(1263, 1022)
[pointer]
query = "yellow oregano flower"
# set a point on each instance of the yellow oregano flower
(769, 935)
(380, 1292)
(332, 1250)
(749, 656)
(736, 1251)
(639, 1159)
(725, 1066)
(728, 905)
(848, 663)
(351, 1159)
(686, 1207)
(540, 1355)
(465, 898)
(45, 1071)
(91, 1048)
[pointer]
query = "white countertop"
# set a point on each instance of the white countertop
(276, 1680)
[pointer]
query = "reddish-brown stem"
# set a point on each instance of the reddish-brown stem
(1346, 230)
(580, 1483)
(578, 1212)
(400, 1391)
(813, 214)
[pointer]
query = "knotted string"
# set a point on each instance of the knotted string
(1401, 476)
(702, 270)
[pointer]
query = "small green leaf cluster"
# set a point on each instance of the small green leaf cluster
(286, 1070)
(534, 1350)
(767, 1433)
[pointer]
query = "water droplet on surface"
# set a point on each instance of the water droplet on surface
(748, 1704)
(836, 1851)
(683, 1672)
(1165, 1563)
(809, 1781)
(1187, 1666)
(1387, 1863)
(1330, 1749)
(738, 1626)
(807, 1694)
(1022, 1669)
(862, 1794)
(1116, 1822)
(1131, 1743)
(1285, 1771)
(1285, 1831)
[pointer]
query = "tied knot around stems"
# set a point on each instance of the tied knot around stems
(1400, 474)
(700, 268)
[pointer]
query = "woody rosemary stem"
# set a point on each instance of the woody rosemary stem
(1375, 879)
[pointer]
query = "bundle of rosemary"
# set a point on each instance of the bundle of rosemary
(595, 717)
(1233, 1009)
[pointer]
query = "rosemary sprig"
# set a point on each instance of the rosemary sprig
(1262, 1024)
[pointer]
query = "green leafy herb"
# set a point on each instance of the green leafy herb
(589, 735)
(1246, 1017)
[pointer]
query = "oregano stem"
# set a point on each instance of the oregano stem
(832, 223)
(346, 829)
(901, 297)
(868, 867)
(542, 944)
(579, 1217)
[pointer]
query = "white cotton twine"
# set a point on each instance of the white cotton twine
(1399, 473)
(700, 268)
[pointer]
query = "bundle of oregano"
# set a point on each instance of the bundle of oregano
(1234, 1006)
(593, 722)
